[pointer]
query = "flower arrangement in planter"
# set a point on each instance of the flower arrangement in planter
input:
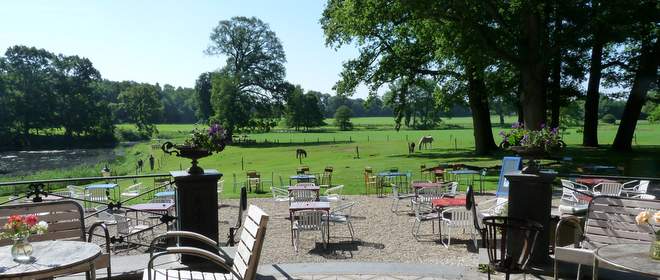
(531, 142)
(202, 143)
(643, 219)
(18, 228)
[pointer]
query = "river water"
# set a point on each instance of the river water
(17, 163)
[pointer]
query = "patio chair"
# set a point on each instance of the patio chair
(506, 258)
(305, 184)
(302, 195)
(253, 180)
(645, 196)
(131, 227)
(220, 190)
(451, 189)
(333, 194)
(398, 195)
(342, 215)
(76, 191)
(66, 221)
(423, 213)
(132, 191)
(635, 187)
(610, 220)
(325, 179)
(95, 197)
(426, 195)
(280, 195)
(570, 202)
(370, 180)
(457, 219)
(242, 265)
(613, 189)
(104, 215)
(308, 220)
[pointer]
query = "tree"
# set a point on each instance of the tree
(232, 109)
(255, 57)
(313, 116)
(143, 107)
(179, 104)
(343, 118)
(203, 96)
(303, 110)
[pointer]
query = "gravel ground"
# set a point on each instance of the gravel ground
(380, 236)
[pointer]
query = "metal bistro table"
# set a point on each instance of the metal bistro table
(633, 258)
(51, 258)
(302, 178)
(396, 178)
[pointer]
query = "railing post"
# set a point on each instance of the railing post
(197, 208)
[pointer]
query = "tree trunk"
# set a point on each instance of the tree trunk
(532, 72)
(590, 134)
(478, 100)
(556, 91)
(645, 75)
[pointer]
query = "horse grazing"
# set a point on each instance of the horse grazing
(425, 140)
(411, 147)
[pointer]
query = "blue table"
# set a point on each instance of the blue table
(165, 194)
(101, 186)
(302, 178)
(400, 179)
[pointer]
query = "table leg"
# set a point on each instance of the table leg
(328, 226)
(594, 273)
(291, 219)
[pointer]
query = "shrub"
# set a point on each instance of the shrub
(123, 134)
(609, 118)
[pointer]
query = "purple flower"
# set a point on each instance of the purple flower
(515, 125)
(214, 129)
(542, 125)
(502, 133)
(554, 131)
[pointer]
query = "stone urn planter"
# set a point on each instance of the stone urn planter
(188, 152)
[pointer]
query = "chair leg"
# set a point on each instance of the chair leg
(579, 271)
(350, 229)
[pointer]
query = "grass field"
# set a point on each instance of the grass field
(379, 147)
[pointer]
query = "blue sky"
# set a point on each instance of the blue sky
(163, 41)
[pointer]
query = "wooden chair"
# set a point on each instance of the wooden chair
(243, 265)
(65, 222)
(370, 180)
(610, 220)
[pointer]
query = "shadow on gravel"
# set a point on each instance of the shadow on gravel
(342, 249)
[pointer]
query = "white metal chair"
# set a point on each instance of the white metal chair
(132, 191)
(280, 195)
(457, 218)
(451, 189)
(398, 195)
(425, 195)
(242, 266)
(130, 227)
(342, 215)
(613, 189)
(302, 195)
(423, 213)
(96, 196)
(305, 184)
(220, 190)
(333, 194)
(492, 207)
(76, 191)
(570, 203)
(308, 220)
(635, 187)
(645, 196)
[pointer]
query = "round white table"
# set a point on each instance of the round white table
(633, 258)
(51, 258)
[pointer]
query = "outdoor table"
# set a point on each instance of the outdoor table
(464, 172)
(440, 203)
(300, 178)
(156, 208)
(422, 185)
(313, 205)
(396, 176)
(52, 258)
(107, 187)
(165, 194)
(593, 181)
(633, 258)
(316, 189)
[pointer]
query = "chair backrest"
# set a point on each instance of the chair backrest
(65, 219)
(252, 174)
(609, 188)
(451, 188)
(123, 226)
(460, 217)
(279, 193)
(611, 220)
(305, 184)
(336, 190)
(251, 241)
(344, 209)
(508, 164)
(428, 194)
(309, 219)
(76, 191)
(643, 186)
(302, 195)
(501, 254)
(97, 194)
(421, 208)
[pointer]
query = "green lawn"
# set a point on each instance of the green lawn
(378, 148)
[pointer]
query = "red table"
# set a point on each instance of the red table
(448, 202)
(593, 181)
